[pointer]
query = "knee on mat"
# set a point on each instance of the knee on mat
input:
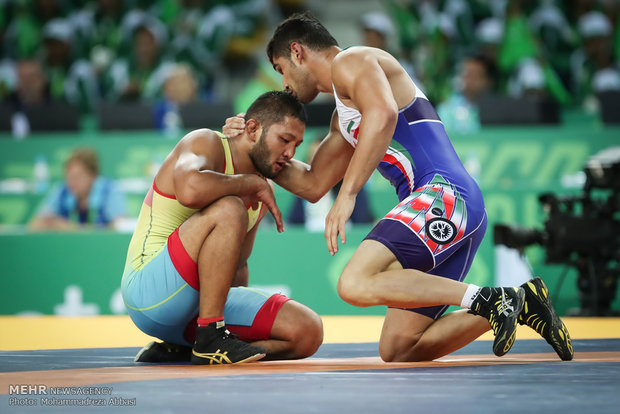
(401, 351)
(307, 335)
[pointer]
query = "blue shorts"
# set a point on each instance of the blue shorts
(437, 230)
(162, 303)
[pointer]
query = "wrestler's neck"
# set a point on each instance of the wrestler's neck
(320, 64)
(239, 151)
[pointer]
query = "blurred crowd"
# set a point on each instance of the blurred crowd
(170, 52)
(566, 51)
(85, 51)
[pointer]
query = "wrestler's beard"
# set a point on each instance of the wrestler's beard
(260, 156)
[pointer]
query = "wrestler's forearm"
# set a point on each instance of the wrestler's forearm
(374, 140)
(328, 165)
(299, 178)
(201, 188)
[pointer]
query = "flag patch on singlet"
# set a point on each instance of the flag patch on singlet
(436, 213)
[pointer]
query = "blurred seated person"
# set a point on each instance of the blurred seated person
(98, 30)
(84, 199)
(528, 81)
(31, 90)
(312, 215)
(535, 79)
(23, 22)
(459, 113)
(141, 76)
(180, 87)
(489, 34)
(72, 81)
(596, 33)
(377, 28)
(606, 80)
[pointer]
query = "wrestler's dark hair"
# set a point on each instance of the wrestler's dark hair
(303, 28)
(272, 107)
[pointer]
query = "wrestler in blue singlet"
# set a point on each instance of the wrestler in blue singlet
(440, 220)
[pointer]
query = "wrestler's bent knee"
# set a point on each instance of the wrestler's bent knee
(304, 329)
(354, 290)
(399, 350)
(309, 335)
(229, 210)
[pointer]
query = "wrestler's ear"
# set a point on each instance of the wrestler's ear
(297, 52)
(253, 129)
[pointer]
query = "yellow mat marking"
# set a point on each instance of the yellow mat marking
(55, 332)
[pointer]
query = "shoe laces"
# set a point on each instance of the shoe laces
(504, 305)
(226, 334)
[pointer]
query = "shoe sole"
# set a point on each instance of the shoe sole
(503, 343)
(558, 336)
(150, 353)
(147, 347)
(251, 359)
(198, 360)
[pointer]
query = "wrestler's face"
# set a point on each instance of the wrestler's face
(276, 146)
(296, 78)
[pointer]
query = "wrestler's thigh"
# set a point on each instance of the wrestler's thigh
(371, 257)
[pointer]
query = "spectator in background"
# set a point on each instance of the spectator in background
(24, 31)
(141, 76)
(184, 24)
(31, 91)
(440, 63)
(522, 42)
(518, 41)
(32, 88)
(595, 56)
(377, 29)
(459, 113)
(99, 33)
(528, 81)
(84, 199)
(489, 33)
(71, 81)
(556, 37)
(605, 80)
(180, 87)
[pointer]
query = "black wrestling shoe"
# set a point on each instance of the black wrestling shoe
(215, 345)
(164, 352)
(538, 314)
(501, 306)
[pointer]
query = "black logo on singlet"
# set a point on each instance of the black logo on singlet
(440, 230)
(437, 211)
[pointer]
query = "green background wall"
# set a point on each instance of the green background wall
(513, 166)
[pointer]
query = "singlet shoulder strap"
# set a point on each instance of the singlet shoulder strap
(230, 166)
